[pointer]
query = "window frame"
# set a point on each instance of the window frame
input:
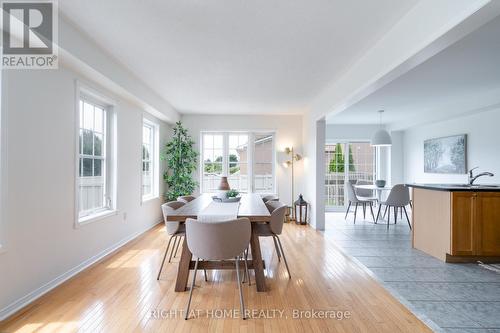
(94, 97)
(155, 160)
(250, 157)
(345, 152)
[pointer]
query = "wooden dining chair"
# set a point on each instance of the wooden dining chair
(218, 241)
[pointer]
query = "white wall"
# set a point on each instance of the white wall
(38, 234)
(288, 133)
(483, 142)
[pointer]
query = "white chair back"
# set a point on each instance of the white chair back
(351, 193)
(278, 212)
(399, 196)
(219, 240)
(363, 192)
(169, 208)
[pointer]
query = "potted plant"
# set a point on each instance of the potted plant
(232, 194)
(181, 162)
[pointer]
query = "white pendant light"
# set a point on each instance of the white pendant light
(381, 137)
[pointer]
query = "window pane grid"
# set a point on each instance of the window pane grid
(213, 151)
(263, 168)
(353, 161)
(92, 159)
(148, 157)
(235, 153)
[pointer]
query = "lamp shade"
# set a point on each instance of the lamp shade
(381, 138)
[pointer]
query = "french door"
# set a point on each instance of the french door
(346, 161)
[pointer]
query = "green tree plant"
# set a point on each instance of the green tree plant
(181, 162)
(337, 163)
(351, 160)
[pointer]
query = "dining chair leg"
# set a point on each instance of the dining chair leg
(191, 290)
(371, 210)
(388, 216)
(355, 212)
(406, 213)
(378, 213)
(364, 210)
(205, 274)
(164, 257)
(247, 272)
(177, 247)
(173, 248)
(277, 249)
(239, 287)
(396, 214)
(284, 257)
(385, 212)
(401, 211)
(411, 205)
(347, 211)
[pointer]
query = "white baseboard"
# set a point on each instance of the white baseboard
(39, 292)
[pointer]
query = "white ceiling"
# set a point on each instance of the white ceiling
(464, 78)
(236, 56)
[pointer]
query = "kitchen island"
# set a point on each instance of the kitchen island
(457, 223)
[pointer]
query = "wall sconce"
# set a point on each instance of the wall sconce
(290, 163)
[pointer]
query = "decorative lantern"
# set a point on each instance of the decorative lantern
(300, 208)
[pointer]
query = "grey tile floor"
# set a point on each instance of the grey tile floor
(454, 298)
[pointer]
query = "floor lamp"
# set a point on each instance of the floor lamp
(293, 157)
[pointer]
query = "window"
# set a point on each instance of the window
(150, 160)
(346, 161)
(95, 155)
(246, 158)
(238, 162)
(264, 163)
(213, 149)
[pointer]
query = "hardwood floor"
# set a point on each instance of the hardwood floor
(120, 293)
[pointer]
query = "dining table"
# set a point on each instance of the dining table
(250, 206)
(372, 187)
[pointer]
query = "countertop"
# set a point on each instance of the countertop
(458, 187)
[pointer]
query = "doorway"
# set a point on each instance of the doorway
(346, 161)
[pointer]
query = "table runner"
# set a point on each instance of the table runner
(219, 211)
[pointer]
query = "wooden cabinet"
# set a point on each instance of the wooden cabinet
(488, 223)
(475, 224)
(463, 223)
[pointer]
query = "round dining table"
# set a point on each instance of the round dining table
(375, 188)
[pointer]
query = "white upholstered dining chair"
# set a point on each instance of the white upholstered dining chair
(218, 241)
(274, 228)
(398, 198)
(176, 230)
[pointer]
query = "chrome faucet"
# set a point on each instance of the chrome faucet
(473, 178)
